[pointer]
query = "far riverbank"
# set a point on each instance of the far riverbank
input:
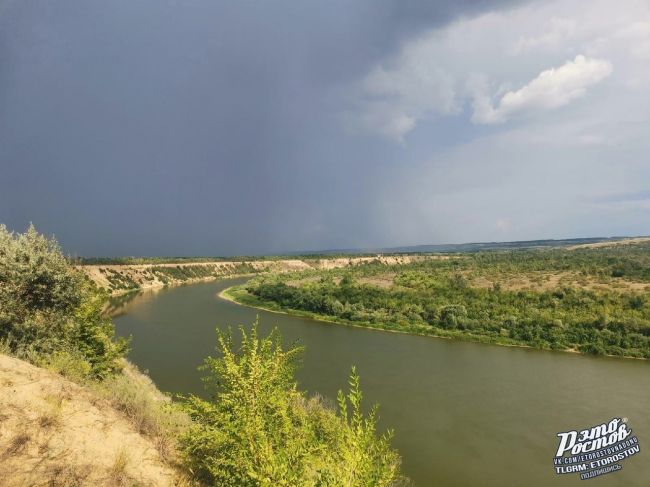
(239, 295)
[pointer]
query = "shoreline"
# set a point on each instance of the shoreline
(224, 294)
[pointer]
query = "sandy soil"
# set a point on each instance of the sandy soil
(627, 241)
(53, 432)
(546, 281)
(385, 281)
(530, 281)
(145, 278)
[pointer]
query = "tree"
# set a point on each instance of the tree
(34, 276)
(49, 309)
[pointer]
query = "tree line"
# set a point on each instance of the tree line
(437, 297)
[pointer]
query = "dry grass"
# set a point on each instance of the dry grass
(548, 281)
(626, 241)
(302, 282)
(117, 474)
(65, 475)
(57, 433)
(17, 445)
(146, 408)
(384, 281)
(51, 415)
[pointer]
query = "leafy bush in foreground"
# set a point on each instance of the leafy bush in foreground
(259, 430)
(49, 313)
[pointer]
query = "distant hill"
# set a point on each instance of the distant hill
(471, 247)
(371, 251)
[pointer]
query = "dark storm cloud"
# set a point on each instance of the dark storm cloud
(196, 127)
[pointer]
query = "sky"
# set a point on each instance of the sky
(210, 127)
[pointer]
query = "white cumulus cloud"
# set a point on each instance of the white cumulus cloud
(553, 88)
(517, 65)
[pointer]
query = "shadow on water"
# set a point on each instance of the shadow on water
(117, 305)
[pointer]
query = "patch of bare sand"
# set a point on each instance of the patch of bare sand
(626, 241)
(384, 281)
(302, 282)
(547, 281)
(54, 432)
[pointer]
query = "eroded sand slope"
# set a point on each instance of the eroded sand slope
(147, 276)
(54, 432)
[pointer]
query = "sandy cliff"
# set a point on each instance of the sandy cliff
(122, 278)
(54, 432)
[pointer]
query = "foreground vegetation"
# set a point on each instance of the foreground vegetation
(257, 429)
(592, 300)
(49, 313)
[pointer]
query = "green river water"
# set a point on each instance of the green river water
(464, 414)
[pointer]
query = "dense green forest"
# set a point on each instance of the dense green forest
(256, 428)
(592, 300)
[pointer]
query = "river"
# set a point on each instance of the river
(464, 414)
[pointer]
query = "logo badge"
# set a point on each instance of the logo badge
(595, 451)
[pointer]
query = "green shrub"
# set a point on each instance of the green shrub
(259, 430)
(34, 277)
(49, 312)
(69, 364)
